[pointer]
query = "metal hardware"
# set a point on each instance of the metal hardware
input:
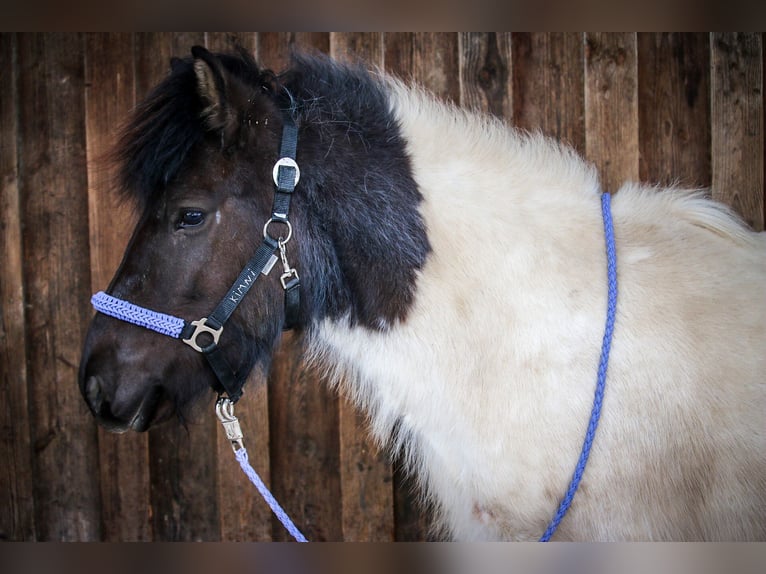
(286, 275)
(288, 271)
(224, 410)
(286, 162)
(201, 327)
(285, 222)
(269, 265)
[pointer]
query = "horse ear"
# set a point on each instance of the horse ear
(212, 89)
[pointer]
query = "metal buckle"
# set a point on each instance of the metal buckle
(201, 327)
(283, 221)
(286, 275)
(224, 410)
(288, 270)
(286, 162)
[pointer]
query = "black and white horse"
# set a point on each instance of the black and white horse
(453, 277)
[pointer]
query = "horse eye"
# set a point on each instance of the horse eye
(191, 218)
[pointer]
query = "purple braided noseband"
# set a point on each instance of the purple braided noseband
(119, 309)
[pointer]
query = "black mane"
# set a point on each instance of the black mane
(167, 125)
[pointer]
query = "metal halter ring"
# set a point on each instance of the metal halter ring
(289, 229)
(286, 162)
(200, 326)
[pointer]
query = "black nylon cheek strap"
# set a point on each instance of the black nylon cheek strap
(244, 282)
(229, 380)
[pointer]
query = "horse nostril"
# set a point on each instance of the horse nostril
(93, 394)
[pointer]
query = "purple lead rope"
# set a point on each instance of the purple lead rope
(241, 456)
(606, 345)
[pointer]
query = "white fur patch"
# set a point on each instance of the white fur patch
(490, 379)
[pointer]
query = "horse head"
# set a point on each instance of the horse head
(197, 159)
(200, 158)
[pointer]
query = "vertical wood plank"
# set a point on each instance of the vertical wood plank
(273, 49)
(548, 85)
(230, 41)
(244, 514)
(366, 479)
(611, 107)
(427, 58)
(737, 124)
(674, 111)
(183, 460)
(109, 96)
(303, 416)
(485, 72)
(153, 51)
(366, 48)
(303, 412)
(54, 205)
(16, 478)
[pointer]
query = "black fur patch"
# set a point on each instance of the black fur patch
(362, 236)
(359, 235)
(166, 127)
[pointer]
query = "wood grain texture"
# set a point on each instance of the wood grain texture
(674, 115)
(548, 85)
(737, 123)
(611, 107)
(230, 41)
(364, 48)
(485, 72)
(54, 207)
(274, 48)
(16, 478)
(426, 58)
(305, 453)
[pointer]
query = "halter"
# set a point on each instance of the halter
(203, 334)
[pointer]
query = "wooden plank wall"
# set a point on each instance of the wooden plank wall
(659, 107)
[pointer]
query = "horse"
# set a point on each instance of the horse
(449, 275)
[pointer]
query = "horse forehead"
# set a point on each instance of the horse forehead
(203, 177)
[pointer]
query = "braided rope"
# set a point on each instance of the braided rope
(611, 265)
(119, 309)
(241, 456)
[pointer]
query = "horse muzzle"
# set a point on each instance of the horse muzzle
(149, 410)
(120, 387)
